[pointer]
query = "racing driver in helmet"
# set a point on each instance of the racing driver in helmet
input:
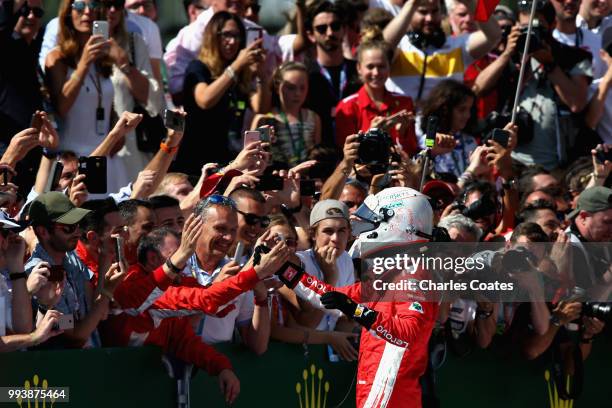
(393, 351)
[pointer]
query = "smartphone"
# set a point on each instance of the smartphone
(265, 133)
(251, 136)
(36, 122)
(307, 187)
(174, 121)
(119, 255)
(253, 34)
(53, 182)
(94, 168)
(602, 156)
(501, 136)
(64, 322)
(290, 274)
(269, 183)
(57, 273)
(239, 252)
(100, 27)
(432, 128)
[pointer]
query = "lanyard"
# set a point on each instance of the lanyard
(96, 82)
(297, 145)
(343, 80)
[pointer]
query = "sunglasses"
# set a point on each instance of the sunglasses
(25, 10)
(252, 219)
(117, 4)
(218, 199)
(80, 6)
(67, 229)
(322, 28)
(229, 35)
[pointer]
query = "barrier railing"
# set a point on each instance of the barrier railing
(284, 377)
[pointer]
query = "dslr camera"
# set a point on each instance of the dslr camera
(374, 150)
(538, 37)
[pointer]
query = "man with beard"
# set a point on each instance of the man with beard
(331, 77)
(569, 33)
(56, 224)
(426, 43)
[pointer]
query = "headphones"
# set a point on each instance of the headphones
(422, 41)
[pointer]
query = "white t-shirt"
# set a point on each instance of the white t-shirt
(448, 62)
(346, 277)
(604, 128)
(221, 329)
(237, 312)
(588, 41)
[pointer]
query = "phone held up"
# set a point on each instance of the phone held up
(174, 121)
(100, 27)
(94, 169)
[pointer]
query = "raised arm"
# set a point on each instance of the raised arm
(397, 28)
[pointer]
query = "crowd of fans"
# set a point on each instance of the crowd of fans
(189, 209)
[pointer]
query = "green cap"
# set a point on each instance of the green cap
(55, 207)
(593, 200)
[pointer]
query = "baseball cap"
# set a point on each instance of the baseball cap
(217, 183)
(593, 200)
(55, 207)
(504, 13)
(328, 209)
(606, 39)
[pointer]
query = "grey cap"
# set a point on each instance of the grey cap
(328, 209)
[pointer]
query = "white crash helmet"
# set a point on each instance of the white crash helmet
(396, 214)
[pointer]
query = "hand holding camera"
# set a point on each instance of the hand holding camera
(47, 328)
(602, 163)
(271, 262)
(351, 150)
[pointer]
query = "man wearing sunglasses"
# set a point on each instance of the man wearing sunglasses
(211, 264)
(20, 96)
(331, 77)
(56, 224)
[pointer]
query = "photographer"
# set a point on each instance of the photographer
(56, 224)
(425, 41)
(16, 331)
(592, 222)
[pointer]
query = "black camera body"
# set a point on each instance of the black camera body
(598, 310)
(374, 150)
(538, 37)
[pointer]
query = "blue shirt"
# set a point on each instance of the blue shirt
(74, 298)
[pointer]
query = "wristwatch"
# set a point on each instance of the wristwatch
(173, 267)
(509, 184)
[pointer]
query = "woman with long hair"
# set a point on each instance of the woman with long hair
(373, 106)
(452, 102)
(78, 76)
(297, 130)
(226, 79)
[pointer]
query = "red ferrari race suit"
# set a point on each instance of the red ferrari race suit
(151, 309)
(393, 353)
